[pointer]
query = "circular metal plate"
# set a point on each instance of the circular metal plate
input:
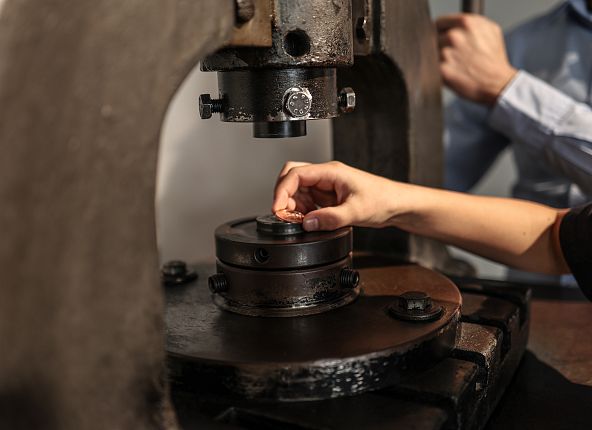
(272, 225)
(346, 351)
(285, 293)
(240, 244)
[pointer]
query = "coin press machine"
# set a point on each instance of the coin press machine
(355, 327)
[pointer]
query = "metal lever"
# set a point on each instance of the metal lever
(473, 6)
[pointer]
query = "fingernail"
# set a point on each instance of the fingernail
(311, 224)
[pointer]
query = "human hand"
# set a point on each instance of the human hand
(473, 59)
(333, 195)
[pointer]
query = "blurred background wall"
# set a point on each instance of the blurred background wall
(211, 172)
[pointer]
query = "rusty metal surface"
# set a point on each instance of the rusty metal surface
(459, 392)
(84, 87)
(257, 30)
(345, 351)
(480, 344)
(285, 293)
(321, 30)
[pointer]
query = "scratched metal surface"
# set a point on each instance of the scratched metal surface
(84, 87)
(344, 351)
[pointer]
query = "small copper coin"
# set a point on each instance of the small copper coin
(294, 217)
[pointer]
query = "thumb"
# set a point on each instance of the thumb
(330, 218)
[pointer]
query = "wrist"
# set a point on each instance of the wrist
(404, 205)
(504, 77)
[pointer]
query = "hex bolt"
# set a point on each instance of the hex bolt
(414, 301)
(175, 272)
(207, 106)
(415, 306)
(347, 100)
(298, 102)
(245, 10)
(218, 283)
(349, 278)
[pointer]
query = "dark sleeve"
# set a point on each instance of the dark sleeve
(575, 235)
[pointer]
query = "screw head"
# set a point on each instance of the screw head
(347, 100)
(205, 106)
(245, 10)
(298, 102)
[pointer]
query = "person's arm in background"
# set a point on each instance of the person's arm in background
(471, 146)
(474, 64)
(517, 233)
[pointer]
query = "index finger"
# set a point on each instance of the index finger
(302, 176)
(289, 166)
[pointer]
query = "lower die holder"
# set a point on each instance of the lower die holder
(269, 267)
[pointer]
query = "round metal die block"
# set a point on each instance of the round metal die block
(284, 293)
(238, 243)
(263, 95)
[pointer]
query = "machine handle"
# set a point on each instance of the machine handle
(473, 6)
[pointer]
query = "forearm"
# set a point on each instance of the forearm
(550, 123)
(513, 232)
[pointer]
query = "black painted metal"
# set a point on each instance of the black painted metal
(415, 306)
(238, 243)
(459, 393)
(260, 95)
(272, 225)
(279, 129)
(346, 351)
(473, 6)
(272, 268)
(285, 293)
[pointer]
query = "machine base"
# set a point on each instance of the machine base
(356, 348)
(459, 392)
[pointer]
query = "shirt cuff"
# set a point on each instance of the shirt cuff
(529, 110)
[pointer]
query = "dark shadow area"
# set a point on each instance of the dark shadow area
(540, 397)
(539, 291)
(27, 408)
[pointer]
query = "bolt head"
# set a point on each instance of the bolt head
(347, 100)
(415, 301)
(298, 102)
(176, 272)
(205, 106)
(174, 268)
(245, 10)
